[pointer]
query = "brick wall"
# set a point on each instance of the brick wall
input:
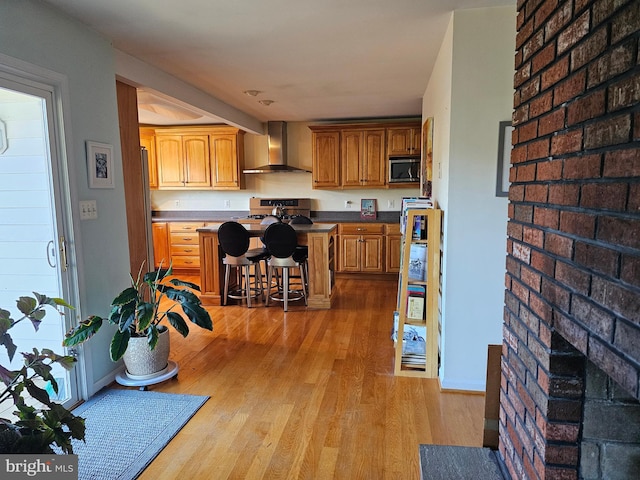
(573, 252)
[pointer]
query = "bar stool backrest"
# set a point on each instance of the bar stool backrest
(300, 220)
(233, 238)
(281, 240)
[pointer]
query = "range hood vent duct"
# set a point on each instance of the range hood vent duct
(277, 137)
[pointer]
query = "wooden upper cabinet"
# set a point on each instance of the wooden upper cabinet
(148, 141)
(197, 157)
(170, 161)
(363, 158)
(197, 166)
(352, 157)
(403, 141)
(226, 160)
(326, 159)
(356, 155)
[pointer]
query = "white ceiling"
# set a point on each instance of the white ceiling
(316, 59)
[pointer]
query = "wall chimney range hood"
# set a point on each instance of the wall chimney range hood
(277, 137)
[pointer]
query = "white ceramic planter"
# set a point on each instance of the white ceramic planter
(141, 361)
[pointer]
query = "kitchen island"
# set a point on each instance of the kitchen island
(320, 239)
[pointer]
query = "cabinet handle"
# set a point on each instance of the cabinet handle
(360, 229)
(187, 239)
(189, 251)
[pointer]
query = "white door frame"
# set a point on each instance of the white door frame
(29, 75)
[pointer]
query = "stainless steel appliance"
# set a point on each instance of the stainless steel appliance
(277, 140)
(404, 169)
(283, 208)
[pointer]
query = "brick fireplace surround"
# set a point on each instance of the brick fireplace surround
(573, 251)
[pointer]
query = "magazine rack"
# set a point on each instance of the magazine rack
(416, 326)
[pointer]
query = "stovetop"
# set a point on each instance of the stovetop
(259, 208)
(260, 216)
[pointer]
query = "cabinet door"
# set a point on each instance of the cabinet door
(371, 248)
(170, 161)
(349, 258)
(352, 158)
(416, 141)
(392, 253)
(160, 233)
(374, 159)
(404, 140)
(148, 141)
(196, 161)
(224, 161)
(326, 159)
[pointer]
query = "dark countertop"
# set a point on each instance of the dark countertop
(225, 215)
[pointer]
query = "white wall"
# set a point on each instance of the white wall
(32, 32)
(279, 185)
(471, 89)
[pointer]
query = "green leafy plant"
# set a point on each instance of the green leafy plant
(37, 428)
(138, 310)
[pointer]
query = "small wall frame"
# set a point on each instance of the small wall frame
(504, 159)
(100, 165)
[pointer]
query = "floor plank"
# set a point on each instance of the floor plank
(308, 394)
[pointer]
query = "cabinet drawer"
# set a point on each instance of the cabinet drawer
(392, 229)
(361, 228)
(185, 226)
(185, 261)
(185, 250)
(183, 238)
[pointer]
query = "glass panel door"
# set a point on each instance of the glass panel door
(32, 233)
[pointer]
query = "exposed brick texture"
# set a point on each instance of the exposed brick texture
(573, 264)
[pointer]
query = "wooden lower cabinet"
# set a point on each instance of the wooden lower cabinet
(361, 248)
(392, 244)
(184, 245)
(160, 231)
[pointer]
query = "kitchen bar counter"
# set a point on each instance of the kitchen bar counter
(208, 216)
(320, 238)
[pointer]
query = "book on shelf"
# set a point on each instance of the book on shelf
(412, 203)
(417, 262)
(415, 302)
(414, 346)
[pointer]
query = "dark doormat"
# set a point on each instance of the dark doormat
(440, 462)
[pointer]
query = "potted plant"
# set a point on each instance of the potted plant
(34, 429)
(137, 312)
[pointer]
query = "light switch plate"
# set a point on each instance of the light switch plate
(88, 210)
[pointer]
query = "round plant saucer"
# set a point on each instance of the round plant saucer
(143, 381)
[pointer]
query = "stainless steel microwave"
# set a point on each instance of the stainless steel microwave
(404, 169)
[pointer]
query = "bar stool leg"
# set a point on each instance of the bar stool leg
(227, 272)
(285, 287)
(247, 284)
(269, 275)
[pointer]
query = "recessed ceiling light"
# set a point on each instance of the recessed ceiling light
(252, 93)
(266, 103)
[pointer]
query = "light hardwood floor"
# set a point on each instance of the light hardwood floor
(308, 394)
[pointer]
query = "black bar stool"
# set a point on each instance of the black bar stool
(234, 242)
(302, 251)
(281, 241)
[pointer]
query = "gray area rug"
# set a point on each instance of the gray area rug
(439, 462)
(126, 429)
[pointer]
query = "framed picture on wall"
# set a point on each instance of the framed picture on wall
(426, 172)
(504, 159)
(368, 209)
(100, 165)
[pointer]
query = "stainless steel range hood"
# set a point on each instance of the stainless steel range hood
(277, 136)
